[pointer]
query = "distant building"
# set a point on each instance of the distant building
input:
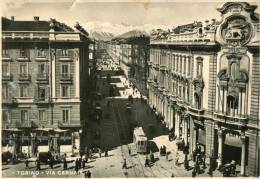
(44, 85)
(131, 50)
(204, 83)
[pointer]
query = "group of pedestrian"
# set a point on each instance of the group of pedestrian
(79, 163)
(163, 151)
(199, 159)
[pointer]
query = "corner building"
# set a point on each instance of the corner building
(44, 77)
(204, 80)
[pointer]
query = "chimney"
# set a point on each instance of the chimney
(12, 18)
(36, 18)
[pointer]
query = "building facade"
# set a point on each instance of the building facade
(132, 54)
(44, 77)
(204, 81)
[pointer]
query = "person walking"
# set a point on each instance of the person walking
(26, 163)
(76, 166)
(83, 163)
(124, 164)
(100, 152)
(146, 164)
(38, 164)
(88, 174)
(65, 164)
(79, 162)
(129, 151)
(106, 153)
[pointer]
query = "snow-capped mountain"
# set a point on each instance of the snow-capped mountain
(105, 36)
(118, 29)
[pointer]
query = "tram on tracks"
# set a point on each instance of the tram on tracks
(140, 140)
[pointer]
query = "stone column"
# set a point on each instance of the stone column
(33, 135)
(185, 131)
(243, 154)
(220, 146)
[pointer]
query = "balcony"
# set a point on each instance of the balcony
(43, 77)
(196, 111)
(26, 124)
(40, 100)
(6, 58)
(9, 100)
(163, 67)
(65, 58)
(66, 77)
(23, 59)
(7, 77)
(25, 35)
(240, 120)
(24, 77)
(76, 124)
(156, 66)
(41, 58)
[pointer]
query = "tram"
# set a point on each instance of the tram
(140, 140)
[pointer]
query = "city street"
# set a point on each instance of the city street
(116, 134)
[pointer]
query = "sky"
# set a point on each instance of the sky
(112, 15)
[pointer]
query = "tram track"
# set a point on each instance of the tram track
(137, 156)
(124, 153)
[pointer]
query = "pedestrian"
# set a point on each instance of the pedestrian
(88, 174)
(26, 163)
(90, 153)
(124, 164)
(65, 164)
(83, 163)
(177, 158)
(152, 157)
(129, 151)
(51, 163)
(193, 174)
(106, 153)
(164, 150)
(100, 152)
(38, 164)
(79, 162)
(146, 162)
(76, 166)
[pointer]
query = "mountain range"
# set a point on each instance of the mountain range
(106, 29)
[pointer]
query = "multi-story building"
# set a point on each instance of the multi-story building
(44, 85)
(205, 82)
(131, 50)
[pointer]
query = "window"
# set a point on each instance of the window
(180, 65)
(41, 68)
(23, 69)
(6, 116)
(232, 104)
(40, 52)
(184, 65)
(5, 52)
(197, 101)
(64, 52)
(42, 92)
(65, 115)
(5, 69)
(233, 70)
(65, 91)
(42, 115)
(24, 90)
(24, 116)
(22, 52)
(5, 92)
(64, 69)
(177, 63)
(189, 66)
(199, 67)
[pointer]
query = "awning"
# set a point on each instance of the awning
(60, 130)
(234, 141)
(13, 130)
(44, 129)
